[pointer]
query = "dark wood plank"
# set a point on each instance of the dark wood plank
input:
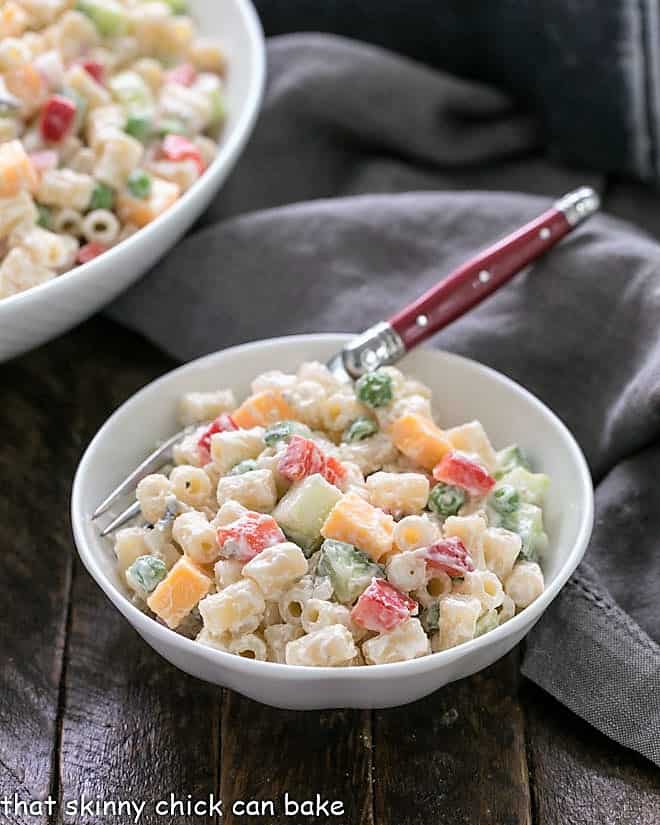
(457, 756)
(579, 776)
(37, 459)
(133, 728)
(267, 753)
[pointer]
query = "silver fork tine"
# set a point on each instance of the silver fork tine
(122, 518)
(148, 466)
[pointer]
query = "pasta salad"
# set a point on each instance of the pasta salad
(330, 524)
(109, 111)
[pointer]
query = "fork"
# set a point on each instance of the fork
(388, 341)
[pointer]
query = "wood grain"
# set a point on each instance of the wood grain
(457, 756)
(267, 753)
(133, 727)
(86, 706)
(37, 459)
(579, 776)
(129, 725)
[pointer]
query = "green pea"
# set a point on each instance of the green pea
(360, 429)
(505, 499)
(446, 499)
(103, 197)
(139, 183)
(146, 573)
(283, 430)
(139, 126)
(243, 467)
(374, 388)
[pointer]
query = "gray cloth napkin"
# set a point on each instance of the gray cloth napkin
(345, 206)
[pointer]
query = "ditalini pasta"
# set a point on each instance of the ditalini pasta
(331, 525)
(109, 111)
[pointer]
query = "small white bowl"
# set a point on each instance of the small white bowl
(462, 390)
(39, 314)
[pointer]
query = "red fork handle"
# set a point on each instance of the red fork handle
(490, 269)
(388, 341)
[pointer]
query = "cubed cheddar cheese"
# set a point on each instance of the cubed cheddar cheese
(179, 592)
(419, 439)
(16, 170)
(141, 211)
(357, 522)
(262, 409)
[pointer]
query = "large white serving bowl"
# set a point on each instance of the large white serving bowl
(462, 390)
(39, 314)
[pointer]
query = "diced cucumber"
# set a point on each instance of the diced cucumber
(283, 430)
(81, 107)
(303, 509)
(527, 521)
(509, 458)
(146, 573)
(488, 621)
(532, 487)
(177, 6)
(218, 108)
(245, 466)
(350, 570)
(130, 89)
(103, 197)
(44, 216)
(107, 15)
(430, 617)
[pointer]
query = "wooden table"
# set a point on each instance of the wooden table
(87, 708)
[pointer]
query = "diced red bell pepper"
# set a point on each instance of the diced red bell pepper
(301, 458)
(57, 117)
(334, 471)
(177, 147)
(382, 607)
(90, 251)
(184, 74)
(44, 160)
(222, 424)
(246, 537)
(450, 555)
(456, 468)
(95, 69)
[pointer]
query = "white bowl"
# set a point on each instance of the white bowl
(39, 314)
(463, 390)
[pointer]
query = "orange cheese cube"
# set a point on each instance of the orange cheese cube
(357, 522)
(179, 592)
(262, 409)
(16, 170)
(418, 438)
(141, 211)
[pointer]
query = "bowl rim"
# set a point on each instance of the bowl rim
(227, 153)
(149, 627)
